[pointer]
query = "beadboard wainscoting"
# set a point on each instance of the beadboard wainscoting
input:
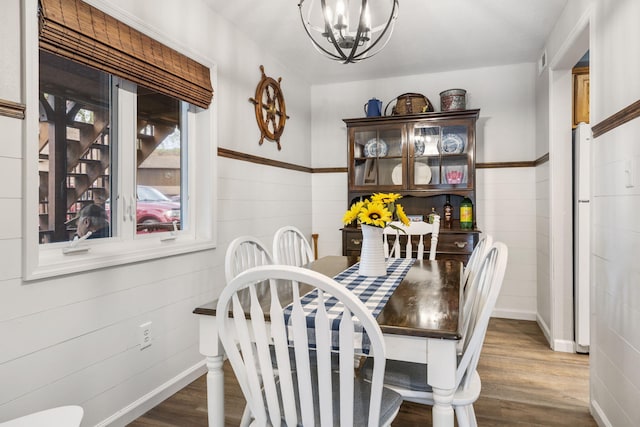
(506, 209)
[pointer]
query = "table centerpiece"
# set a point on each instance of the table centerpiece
(374, 214)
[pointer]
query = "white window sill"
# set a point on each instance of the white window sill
(110, 253)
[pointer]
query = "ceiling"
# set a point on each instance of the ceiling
(430, 36)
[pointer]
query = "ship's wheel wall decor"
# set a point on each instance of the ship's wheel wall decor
(271, 112)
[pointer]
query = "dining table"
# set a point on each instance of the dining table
(420, 324)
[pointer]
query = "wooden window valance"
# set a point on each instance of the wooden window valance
(80, 32)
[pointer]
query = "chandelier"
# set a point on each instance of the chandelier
(343, 30)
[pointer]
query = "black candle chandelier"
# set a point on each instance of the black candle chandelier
(343, 30)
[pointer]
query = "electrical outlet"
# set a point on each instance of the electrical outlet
(144, 335)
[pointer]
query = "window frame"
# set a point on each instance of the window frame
(48, 260)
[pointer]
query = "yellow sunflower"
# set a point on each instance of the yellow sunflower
(352, 213)
(401, 215)
(385, 197)
(375, 214)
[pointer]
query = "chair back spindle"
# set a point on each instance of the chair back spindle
(243, 253)
(290, 247)
(419, 229)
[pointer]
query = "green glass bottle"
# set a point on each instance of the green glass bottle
(432, 215)
(466, 214)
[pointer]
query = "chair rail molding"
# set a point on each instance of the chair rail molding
(621, 117)
(12, 109)
(232, 154)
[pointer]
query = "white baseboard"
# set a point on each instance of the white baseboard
(545, 329)
(514, 314)
(564, 346)
(136, 409)
(599, 416)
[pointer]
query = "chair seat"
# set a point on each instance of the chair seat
(391, 401)
(410, 380)
(406, 375)
(63, 416)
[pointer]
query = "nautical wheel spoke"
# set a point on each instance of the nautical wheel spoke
(270, 108)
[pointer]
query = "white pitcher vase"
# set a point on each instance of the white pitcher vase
(372, 262)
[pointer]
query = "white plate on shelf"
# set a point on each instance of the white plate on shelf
(452, 144)
(375, 148)
(421, 173)
(396, 174)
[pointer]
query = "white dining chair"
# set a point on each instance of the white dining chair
(61, 416)
(411, 379)
(484, 244)
(290, 247)
(417, 228)
(311, 392)
(243, 253)
(471, 269)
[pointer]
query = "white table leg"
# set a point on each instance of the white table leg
(211, 348)
(215, 391)
(441, 371)
(442, 411)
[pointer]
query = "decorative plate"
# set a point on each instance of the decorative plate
(454, 174)
(375, 148)
(452, 144)
(421, 173)
(396, 174)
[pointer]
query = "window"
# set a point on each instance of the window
(159, 151)
(142, 156)
(77, 153)
(74, 145)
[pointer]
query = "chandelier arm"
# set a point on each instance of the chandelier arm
(356, 41)
(334, 42)
(392, 17)
(314, 43)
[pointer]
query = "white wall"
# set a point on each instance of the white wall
(73, 339)
(505, 203)
(615, 348)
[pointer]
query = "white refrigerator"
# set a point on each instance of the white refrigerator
(581, 234)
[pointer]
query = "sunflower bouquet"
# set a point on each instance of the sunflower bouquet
(378, 211)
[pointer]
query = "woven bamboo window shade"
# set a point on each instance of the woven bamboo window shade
(82, 33)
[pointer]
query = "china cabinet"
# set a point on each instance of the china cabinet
(428, 158)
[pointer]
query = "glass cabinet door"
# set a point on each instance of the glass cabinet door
(439, 155)
(455, 159)
(424, 155)
(377, 156)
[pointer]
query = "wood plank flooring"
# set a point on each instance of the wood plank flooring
(524, 383)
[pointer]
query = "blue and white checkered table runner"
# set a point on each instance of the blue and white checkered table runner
(374, 292)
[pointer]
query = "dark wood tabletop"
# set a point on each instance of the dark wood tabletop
(425, 304)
